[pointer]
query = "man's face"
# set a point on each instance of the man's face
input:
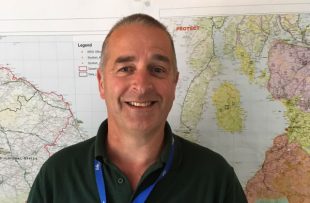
(139, 78)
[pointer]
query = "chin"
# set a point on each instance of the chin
(146, 127)
(141, 127)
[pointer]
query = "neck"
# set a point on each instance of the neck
(133, 154)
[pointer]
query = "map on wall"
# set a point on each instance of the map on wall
(243, 92)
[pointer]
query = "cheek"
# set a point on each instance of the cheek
(168, 91)
(113, 88)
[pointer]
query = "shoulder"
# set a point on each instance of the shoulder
(77, 154)
(62, 170)
(195, 155)
(214, 178)
(204, 165)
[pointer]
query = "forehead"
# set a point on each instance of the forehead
(139, 37)
(139, 29)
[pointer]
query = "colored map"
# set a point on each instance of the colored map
(247, 85)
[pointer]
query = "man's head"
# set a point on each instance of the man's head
(139, 76)
(135, 19)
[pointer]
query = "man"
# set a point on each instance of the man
(135, 157)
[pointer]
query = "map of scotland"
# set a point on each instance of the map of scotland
(247, 97)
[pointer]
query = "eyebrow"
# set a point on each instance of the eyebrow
(158, 57)
(124, 59)
(161, 57)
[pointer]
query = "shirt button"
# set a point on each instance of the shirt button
(120, 180)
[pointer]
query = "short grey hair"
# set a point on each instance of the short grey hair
(138, 18)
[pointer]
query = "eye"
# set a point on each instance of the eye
(125, 69)
(158, 71)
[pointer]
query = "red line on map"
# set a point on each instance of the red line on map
(58, 134)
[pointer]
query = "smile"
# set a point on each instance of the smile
(140, 104)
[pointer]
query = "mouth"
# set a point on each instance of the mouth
(141, 104)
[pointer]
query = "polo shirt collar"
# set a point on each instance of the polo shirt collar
(100, 142)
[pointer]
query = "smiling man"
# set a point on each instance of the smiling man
(137, 80)
(135, 157)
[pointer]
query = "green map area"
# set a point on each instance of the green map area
(229, 113)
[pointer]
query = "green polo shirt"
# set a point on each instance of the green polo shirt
(197, 175)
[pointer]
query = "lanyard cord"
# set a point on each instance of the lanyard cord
(141, 197)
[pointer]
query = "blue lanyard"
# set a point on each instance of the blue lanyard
(145, 193)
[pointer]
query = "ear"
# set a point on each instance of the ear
(176, 77)
(100, 82)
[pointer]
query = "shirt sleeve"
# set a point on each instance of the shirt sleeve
(235, 192)
(39, 189)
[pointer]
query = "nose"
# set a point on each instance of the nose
(141, 81)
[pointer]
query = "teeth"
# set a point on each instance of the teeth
(140, 104)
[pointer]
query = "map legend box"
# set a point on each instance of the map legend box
(83, 71)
